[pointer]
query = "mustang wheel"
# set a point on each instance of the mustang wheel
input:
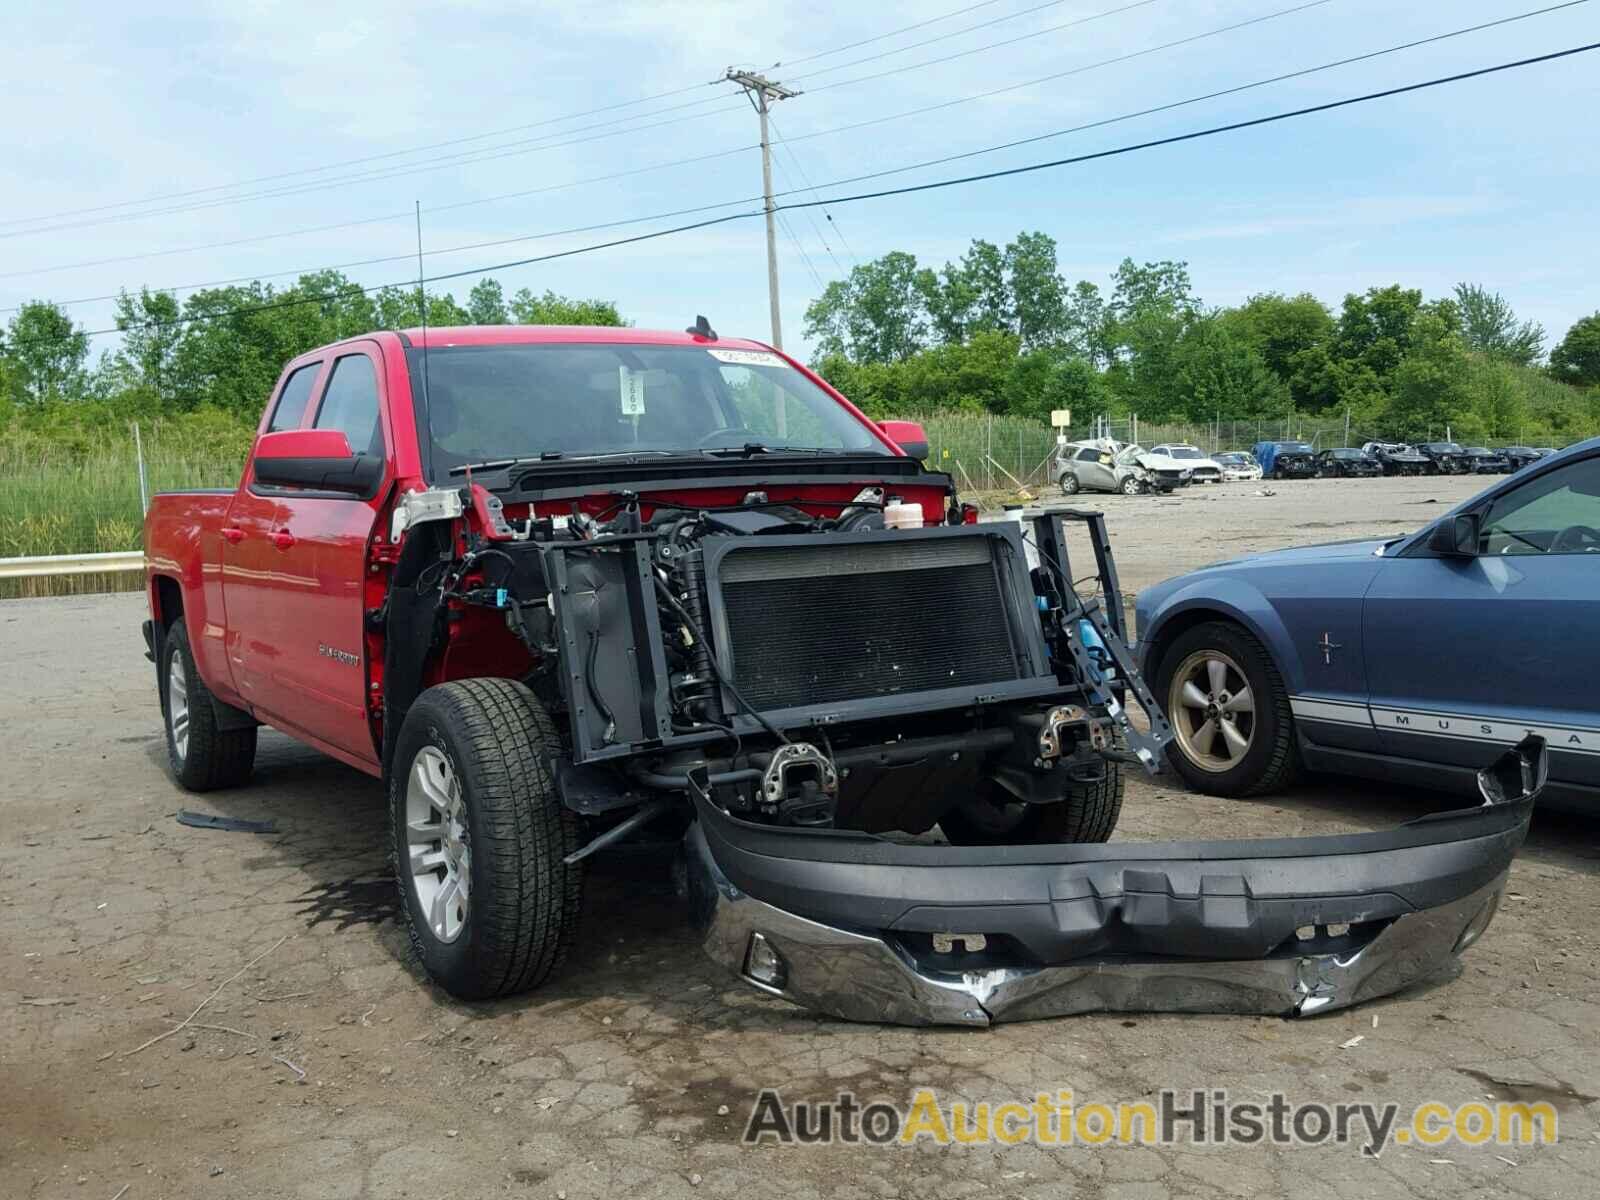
(1234, 733)
(1069, 484)
(479, 835)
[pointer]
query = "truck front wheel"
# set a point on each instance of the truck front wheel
(203, 756)
(1087, 812)
(479, 835)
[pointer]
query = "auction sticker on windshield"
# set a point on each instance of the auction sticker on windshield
(747, 358)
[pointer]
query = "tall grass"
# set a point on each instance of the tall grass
(73, 498)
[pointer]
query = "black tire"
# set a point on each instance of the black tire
(211, 757)
(1131, 486)
(1088, 812)
(1069, 484)
(523, 901)
(1271, 761)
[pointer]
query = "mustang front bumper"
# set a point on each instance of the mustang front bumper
(870, 930)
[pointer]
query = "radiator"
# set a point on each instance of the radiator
(823, 623)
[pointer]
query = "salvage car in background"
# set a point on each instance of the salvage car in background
(1483, 461)
(1111, 467)
(1286, 460)
(1202, 467)
(1405, 659)
(1347, 462)
(1396, 458)
(1443, 458)
(1090, 467)
(1238, 465)
(1518, 457)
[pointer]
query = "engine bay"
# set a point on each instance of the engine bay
(815, 664)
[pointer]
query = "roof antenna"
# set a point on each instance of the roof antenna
(702, 329)
(422, 307)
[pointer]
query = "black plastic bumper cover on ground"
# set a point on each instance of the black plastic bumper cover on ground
(869, 929)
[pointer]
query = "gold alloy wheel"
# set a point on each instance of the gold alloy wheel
(1212, 709)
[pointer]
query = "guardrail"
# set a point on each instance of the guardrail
(40, 566)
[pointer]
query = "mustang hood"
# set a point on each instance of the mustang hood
(1326, 552)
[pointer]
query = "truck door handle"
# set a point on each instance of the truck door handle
(233, 534)
(283, 539)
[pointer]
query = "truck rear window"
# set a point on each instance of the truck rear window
(486, 403)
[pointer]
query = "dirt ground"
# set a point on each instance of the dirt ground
(330, 1068)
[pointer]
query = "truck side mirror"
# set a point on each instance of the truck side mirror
(317, 459)
(1456, 537)
(908, 435)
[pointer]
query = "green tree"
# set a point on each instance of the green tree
(1218, 371)
(1576, 359)
(1045, 380)
(1431, 387)
(46, 353)
(1150, 309)
(151, 330)
(486, 303)
(1489, 326)
(1086, 327)
(1038, 293)
(878, 314)
(553, 309)
(1293, 336)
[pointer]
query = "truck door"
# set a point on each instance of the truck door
(319, 549)
(252, 590)
(1468, 653)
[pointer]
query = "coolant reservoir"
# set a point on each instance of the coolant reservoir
(897, 514)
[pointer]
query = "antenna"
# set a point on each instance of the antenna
(422, 308)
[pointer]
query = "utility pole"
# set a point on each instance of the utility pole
(763, 92)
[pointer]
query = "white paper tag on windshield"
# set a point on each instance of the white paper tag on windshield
(747, 358)
(631, 391)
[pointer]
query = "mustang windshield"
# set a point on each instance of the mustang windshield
(489, 403)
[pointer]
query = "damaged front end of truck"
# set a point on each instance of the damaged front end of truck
(812, 696)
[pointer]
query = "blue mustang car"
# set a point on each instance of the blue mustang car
(1405, 659)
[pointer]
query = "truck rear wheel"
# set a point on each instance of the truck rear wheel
(202, 755)
(478, 835)
(1087, 812)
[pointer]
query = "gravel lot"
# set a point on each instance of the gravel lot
(632, 1074)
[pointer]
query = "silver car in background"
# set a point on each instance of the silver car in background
(1109, 467)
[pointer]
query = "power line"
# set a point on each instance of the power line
(811, 218)
(960, 12)
(803, 137)
(484, 136)
(1079, 70)
(909, 189)
(794, 159)
(353, 162)
(488, 154)
(268, 237)
(504, 150)
(847, 180)
(1229, 91)
(977, 49)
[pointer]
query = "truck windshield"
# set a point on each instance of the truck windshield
(488, 403)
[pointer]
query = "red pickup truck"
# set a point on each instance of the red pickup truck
(555, 585)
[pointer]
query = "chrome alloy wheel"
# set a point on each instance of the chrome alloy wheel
(1212, 710)
(440, 843)
(178, 705)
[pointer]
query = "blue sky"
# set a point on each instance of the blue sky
(1493, 180)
